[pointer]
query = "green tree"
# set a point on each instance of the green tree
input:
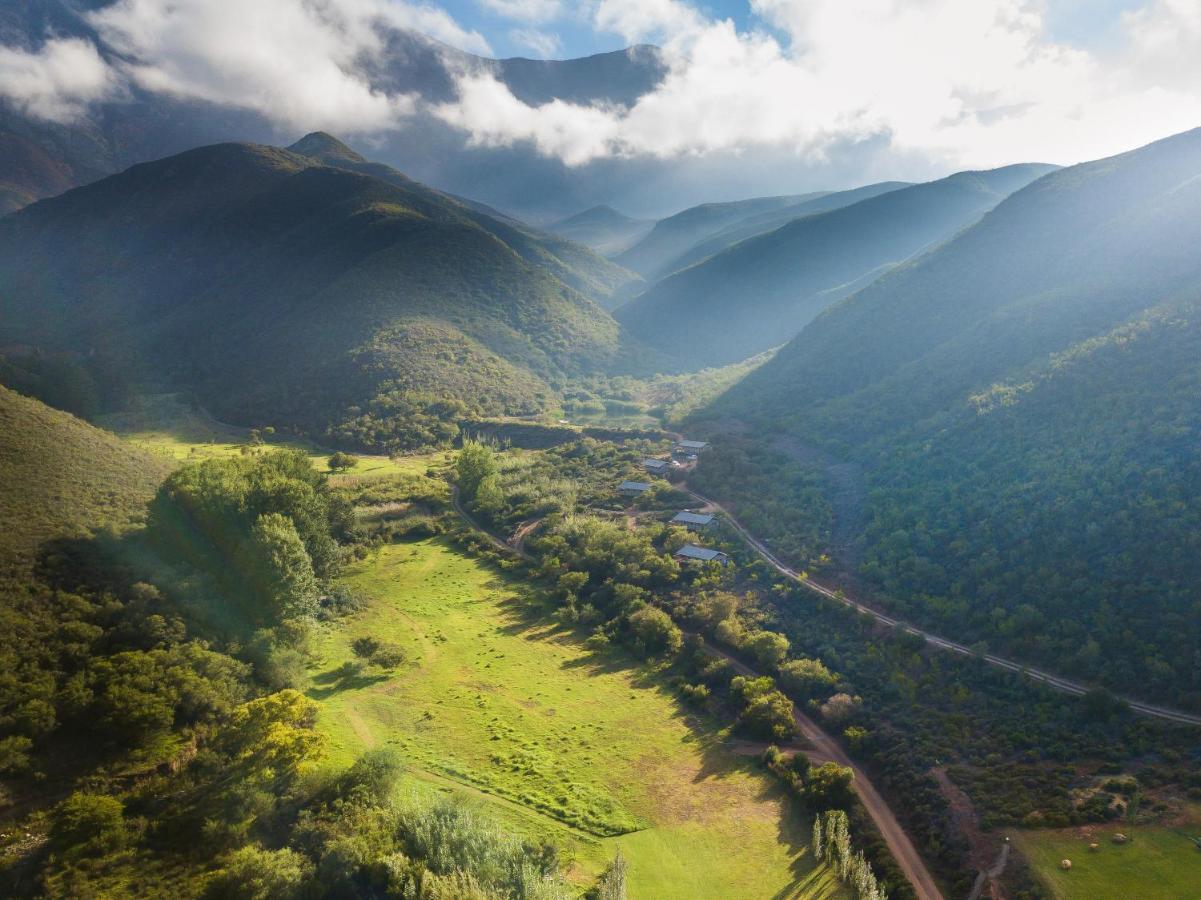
(830, 786)
(655, 634)
(342, 461)
(768, 647)
(476, 462)
(280, 569)
(252, 873)
(489, 496)
(95, 822)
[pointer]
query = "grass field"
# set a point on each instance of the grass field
(557, 743)
(1158, 862)
(167, 426)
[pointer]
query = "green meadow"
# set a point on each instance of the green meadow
(1157, 861)
(167, 426)
(591, 752)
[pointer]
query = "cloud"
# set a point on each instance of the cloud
(303, 65)
(525, 10)
(544, 44)
(963, 83)
(58, 81)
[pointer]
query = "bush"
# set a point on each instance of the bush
(655, 634)
(252, 873)
(95, 822)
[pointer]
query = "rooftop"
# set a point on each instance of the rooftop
(693, 445)
(655, 463)
(704, 554)
(638, 486)
(691, 518)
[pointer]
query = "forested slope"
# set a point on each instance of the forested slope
(1023, 401)
(757, 293)
(286, 291)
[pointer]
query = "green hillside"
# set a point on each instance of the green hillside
(1023, 402)
(670, 237)
(757, 293)
(283, 291)
(604, 229)
(64, 478)
(572, 263)
(773, 219)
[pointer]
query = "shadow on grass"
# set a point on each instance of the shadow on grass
(346, 677)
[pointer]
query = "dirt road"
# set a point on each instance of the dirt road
(819, 748)
(1060, 684)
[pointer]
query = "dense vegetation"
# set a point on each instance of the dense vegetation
(144, 753)
(351, 302)
(1022, 403)
(757, 293)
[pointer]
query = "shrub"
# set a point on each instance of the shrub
(252, 873)
(654, 632)
(95, 822)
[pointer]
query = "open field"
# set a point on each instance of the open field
(1158, 861)
(167, 426)
(557, 743)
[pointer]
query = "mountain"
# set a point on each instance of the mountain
(773, 219)
(599, 279)
(285, 291)
(64, 478)
(757, 293)
(1023, 400)
(40, 158)
(603, 229)
(677, 234)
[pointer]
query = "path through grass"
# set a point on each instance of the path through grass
(558, 743)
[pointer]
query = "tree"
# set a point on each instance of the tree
(829, 786)
(95, 822)
(766, 712)
(654, 632)
(252, 873)
(768, 647)
(807, 678)
(476, 462)
(280, 569)
(342, 461)
(612, 883)
(489, 496)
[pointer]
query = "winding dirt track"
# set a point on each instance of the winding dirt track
(819, 748)
(1060, 684)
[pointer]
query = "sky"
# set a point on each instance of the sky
(952, 84)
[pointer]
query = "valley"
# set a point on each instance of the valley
(746, 457)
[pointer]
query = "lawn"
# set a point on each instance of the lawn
(1158, 862)
(591, 752)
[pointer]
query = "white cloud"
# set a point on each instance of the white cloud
(544, 44)
(972, 83)
(58, 81)
(526, 10)
(304, 65)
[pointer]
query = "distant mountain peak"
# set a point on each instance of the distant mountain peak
(325, 147)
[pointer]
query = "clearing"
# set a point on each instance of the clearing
(1160, 861)
(556, 742)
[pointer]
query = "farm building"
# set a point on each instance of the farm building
(692, 520)
(633, 487)
(691, 446)
(693, 553)
(655, 466)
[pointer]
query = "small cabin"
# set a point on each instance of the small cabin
(691, 447)
(691, 553)
(693, 521)
(634, 487)
(656, 466)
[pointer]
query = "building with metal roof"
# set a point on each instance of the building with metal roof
(633, 487)
(693, 553)
(655, 465)
(692, 520)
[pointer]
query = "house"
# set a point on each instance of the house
(691, 446)
(693, 553)
(634, 487)
(695, 521)
(655, 466)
